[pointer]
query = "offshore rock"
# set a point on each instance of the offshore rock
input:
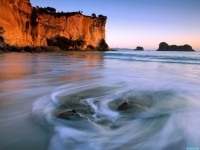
(139, 48)
(25, 25)
(163, 46)
(69, 114)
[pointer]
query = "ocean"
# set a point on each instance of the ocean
(161, 91)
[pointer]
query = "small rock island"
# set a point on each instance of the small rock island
(139, 48)
(163, 46)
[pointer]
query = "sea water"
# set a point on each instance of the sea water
(162, 90)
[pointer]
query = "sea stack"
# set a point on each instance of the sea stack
(139, 48)
(163, 46)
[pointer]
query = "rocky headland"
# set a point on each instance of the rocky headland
(27, 28)
(163, 46)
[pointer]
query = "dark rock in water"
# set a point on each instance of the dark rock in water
(163, 46)
(139, 48)
(69, 114)
(123, 106)
(113, 50)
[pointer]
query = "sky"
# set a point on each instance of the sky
(143, 23)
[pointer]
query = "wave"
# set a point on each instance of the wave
(155, 57)
(151, 117)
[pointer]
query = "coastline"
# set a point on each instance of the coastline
(44, 49)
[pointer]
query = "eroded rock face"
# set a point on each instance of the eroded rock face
(25, 25)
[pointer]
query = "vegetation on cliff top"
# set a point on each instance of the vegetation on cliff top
(52, 11)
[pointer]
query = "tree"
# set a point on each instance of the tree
(102, 16)
(94, 15)
(80, 11)
(50, 10)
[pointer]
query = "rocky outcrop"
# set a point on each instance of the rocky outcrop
(25, 25)
(163, 46)
(69, 114)
(102, 45)
(123, 106)
(139, 48)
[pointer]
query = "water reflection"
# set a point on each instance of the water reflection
(164, 100)
(60, 66)
(24, 78)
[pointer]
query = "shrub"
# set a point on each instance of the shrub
(102, 16)
(94, 15)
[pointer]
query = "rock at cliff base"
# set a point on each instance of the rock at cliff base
(13, 48)
(103, 45)
(2, 44)
(28, 49)
(90, 47)
(51, 48)
(1, 52)
(37, 49)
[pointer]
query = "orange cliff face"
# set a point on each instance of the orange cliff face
(25, 25)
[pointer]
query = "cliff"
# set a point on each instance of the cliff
(25, 25)
(163, 46)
